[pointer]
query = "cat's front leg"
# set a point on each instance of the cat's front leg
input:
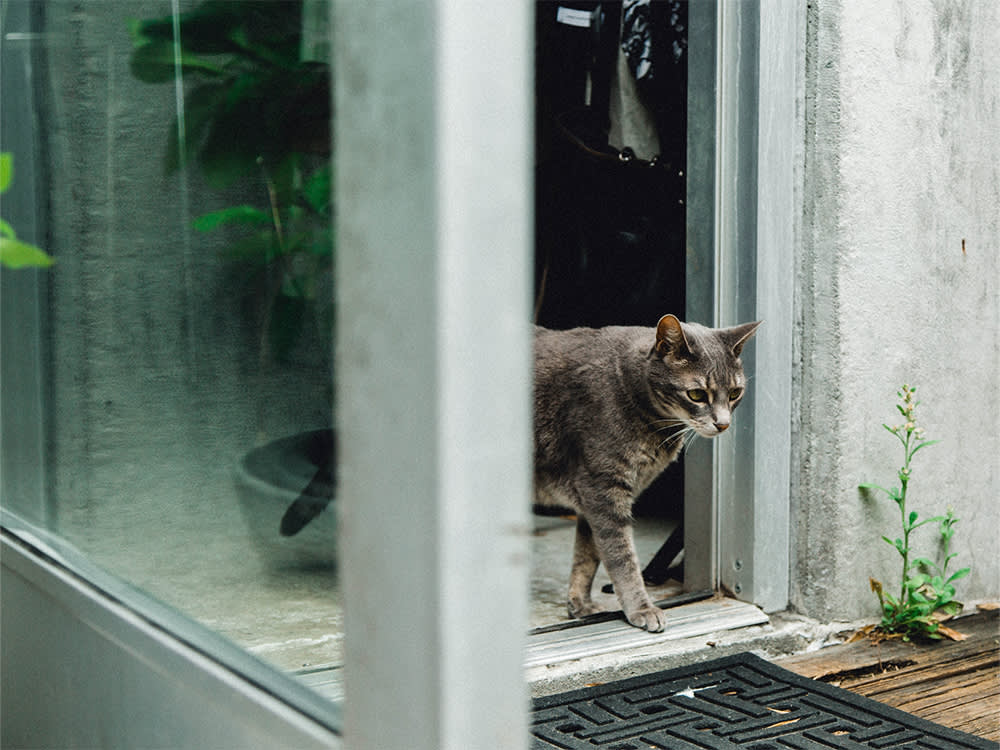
(613, 539)
(581, 576)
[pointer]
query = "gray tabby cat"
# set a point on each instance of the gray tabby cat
(613, 407)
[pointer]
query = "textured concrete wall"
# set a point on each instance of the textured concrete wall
(898, 282)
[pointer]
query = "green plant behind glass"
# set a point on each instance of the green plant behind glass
(250, 95)
(926, 591)
(255, 113)
(15, 253)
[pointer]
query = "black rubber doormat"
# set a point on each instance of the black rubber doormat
(739, 702)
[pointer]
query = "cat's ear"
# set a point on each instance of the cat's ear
(737, 336)
(670, 338)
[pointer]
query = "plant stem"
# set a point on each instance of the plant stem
(906, 437)
(903, 593)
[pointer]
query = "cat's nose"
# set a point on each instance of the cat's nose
(721, 426)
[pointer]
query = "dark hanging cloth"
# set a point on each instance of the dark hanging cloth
(610, 227)
(637, 37)
(654, 39)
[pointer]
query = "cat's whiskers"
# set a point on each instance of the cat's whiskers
(671, 424)
(667, 422)
(690, 435)
(682, 435)
(689, 438)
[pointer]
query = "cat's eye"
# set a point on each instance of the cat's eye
(697, 395)
(735, 393)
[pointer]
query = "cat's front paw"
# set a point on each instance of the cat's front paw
(579, 609)
(648, 618)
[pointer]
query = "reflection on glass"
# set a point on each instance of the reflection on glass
(181, 163)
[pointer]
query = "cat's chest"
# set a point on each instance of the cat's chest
(651, 460)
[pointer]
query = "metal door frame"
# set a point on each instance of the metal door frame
(742, 222)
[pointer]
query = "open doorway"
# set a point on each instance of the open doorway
(610, 226)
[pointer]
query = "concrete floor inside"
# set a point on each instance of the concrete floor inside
(279, 597)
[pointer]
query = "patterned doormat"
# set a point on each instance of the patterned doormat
(739, 702)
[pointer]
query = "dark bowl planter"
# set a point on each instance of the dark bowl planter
(285, 489)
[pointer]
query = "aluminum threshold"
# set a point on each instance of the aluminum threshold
(600, 638)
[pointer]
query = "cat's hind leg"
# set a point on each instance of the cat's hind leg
(581, 577)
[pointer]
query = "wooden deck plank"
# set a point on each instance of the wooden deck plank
(956, 684)
(922, 679)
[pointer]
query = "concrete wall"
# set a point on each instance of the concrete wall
(898, 283)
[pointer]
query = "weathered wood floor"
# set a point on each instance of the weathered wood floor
(956, 684)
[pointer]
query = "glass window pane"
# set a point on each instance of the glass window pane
(168, 380)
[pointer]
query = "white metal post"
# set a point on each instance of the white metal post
(433, 135)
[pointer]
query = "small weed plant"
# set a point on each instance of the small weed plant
(926, 592)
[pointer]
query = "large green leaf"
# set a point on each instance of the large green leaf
(322, 244)
(17, 254)
(200, 107)
(239, 132)
(272, 31)
(258, 249)
(233, 215)
(205, 29)
(255, 31)
(6, 170)
(155, 62)
(316, 191)
(959, 574)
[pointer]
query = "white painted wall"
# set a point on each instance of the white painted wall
(902, 163)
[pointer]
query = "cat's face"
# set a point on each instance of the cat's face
(696, 374)
(705, 401)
